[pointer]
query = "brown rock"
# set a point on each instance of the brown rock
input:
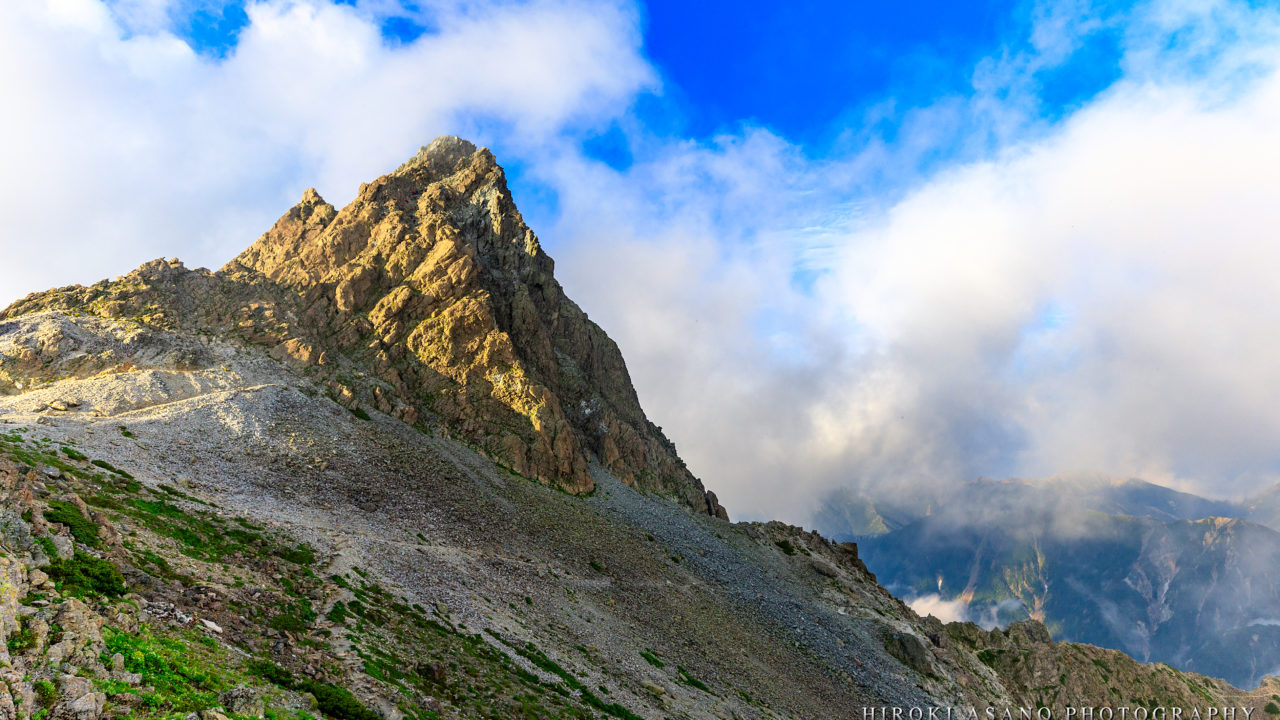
(431, 283)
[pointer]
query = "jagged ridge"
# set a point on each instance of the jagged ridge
(426, 297)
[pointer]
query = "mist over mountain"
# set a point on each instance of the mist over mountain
(1160, 574)
(1059, 502)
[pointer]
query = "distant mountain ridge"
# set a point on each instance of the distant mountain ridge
(1160, 574)
(845, 514)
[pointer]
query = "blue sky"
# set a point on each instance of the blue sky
(879, 246)
(797, 68)
(811, 72)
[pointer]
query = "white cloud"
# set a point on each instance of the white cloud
(123, 144)
(1094, 295)
(948, 611)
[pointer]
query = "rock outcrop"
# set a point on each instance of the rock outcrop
(427, 297)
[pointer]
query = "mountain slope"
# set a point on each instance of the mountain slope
(314, 513)
(426, 297)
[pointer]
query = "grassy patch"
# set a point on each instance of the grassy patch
(613, 709)
(786, 546)
(301, 555)
(112, 469)
(84, 574)
(692, 681)
(83, 529)
(531, 653)
(337, 702)
(46, 544)
(272, 673)
(182, 678)
(22, 639)
(288, 621)
(202, 536)
(652, 659)
(338, 613)
(46, 693)
(334, 701)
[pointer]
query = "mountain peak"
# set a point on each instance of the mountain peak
(445, 152)
(428, 298)
(311, 197)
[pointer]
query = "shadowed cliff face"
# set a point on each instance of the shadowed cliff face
(1125, 565)
(427, 298)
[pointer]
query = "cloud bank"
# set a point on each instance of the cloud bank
(1092, 293)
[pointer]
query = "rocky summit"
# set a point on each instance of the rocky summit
(427, 297)
(380, 467)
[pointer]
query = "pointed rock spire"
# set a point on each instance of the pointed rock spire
(427, 297)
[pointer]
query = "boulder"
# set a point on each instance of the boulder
(243, 700)
(82, 701)
(910, 651)
(64, 546)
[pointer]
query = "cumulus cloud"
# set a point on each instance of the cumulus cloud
(122, 143)
(948, 611)
(1092, 294)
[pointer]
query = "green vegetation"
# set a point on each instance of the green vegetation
(177, 676)
(692, 681)
(530, 652)
(24, 638)
(112, 469)
(786, 546)
(337, 702)
(989, 657)
(613, 709)
(145, 558)
(84, 530)
(46, 545)
(301, 555)
(1272, 709)
(271, 672)
(200, 534)
(652, 659)
(46, 693)
(84, 574)
(293, 618)
(332, 700)
(360, 413)
(74, 454)
(338, 613)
